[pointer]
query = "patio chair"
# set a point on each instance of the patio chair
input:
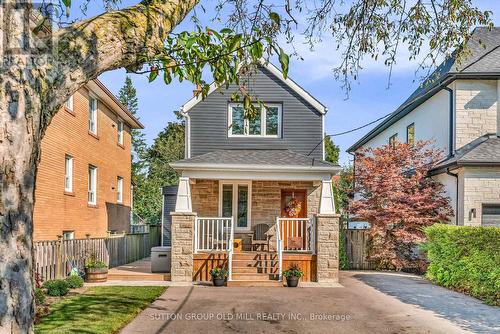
(260, 237)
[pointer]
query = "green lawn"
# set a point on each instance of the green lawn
(101, 309)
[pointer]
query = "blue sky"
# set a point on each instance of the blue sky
(369, 98)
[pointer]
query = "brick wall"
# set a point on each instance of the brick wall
(480, 186)
(476, 109)
(266, 198)
(56, 211)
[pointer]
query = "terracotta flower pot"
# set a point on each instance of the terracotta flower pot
(292, 281)
(96, 275)
(219, 281)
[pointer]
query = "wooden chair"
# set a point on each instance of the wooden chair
(260, 237)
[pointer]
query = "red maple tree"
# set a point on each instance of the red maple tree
(394, 193)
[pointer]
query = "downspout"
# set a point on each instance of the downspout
(451, 119)
(456, 199)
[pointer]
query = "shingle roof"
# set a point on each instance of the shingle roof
(485, 150)
(256, 158)
(484, 48)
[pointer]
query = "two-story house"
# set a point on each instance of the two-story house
(255, 195)
(83, 184)
(457, 108)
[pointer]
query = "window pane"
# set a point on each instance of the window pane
(272, 121)
(242, 206)
(238, 127)
(227, 200)
(254, 125)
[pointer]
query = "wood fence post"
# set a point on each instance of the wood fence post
(59, 259)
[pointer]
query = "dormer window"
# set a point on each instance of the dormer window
(267, 123)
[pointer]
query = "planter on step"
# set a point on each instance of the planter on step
(219, 281)
(292, 281)
(96, 275)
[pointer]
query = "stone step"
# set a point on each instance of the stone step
(255, 263)
(255, 256)
(255, 283)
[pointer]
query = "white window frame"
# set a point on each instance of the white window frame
(68, 173)
(92, 115)
(69, 103)
(235, 184)
(119, 128)
(263, 115)
(68, 235)
(119, 189)
(92, 185)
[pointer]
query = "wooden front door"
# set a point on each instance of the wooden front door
(288, 209)
(293, 205)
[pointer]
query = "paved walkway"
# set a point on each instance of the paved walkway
(368, 302)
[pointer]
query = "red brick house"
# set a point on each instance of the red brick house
(83, 183)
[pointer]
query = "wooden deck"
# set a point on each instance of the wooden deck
(136, 271)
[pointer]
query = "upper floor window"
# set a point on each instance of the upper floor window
(119, 126)
(410, 134)
(393, 139)
(119, 189)
(69, 103)
(267, 123)
(68, 173)
(93, 115)
(92, 192)
(68, 235)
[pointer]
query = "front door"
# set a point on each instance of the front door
(293, 205)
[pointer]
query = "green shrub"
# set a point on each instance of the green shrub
(39, 296)
(465, 258)
(74, 281)
(56, 287)
(343, 260)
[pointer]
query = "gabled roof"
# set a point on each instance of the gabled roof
(484, 151)
(254, 159)
(484, 61)
(278, 74)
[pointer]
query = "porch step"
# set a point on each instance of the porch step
(255, 283)
(255, 270)
(255, 256)
(253, 276)
(255, 263)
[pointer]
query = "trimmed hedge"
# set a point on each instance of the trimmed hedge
(466, 259)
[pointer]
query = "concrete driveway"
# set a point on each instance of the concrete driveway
(368, 302)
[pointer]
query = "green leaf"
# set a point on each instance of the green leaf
(284, 59)
(67, 3)
(153, 74)
(190, 42)
(275, 17)
(226, 31)
(166, 76)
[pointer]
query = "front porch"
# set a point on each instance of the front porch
(245, 226)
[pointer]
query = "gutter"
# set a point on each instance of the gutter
(456, 200)
(250, 168)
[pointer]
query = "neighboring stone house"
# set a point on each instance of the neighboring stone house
(83, 184)
(458, 108)
(254, 195)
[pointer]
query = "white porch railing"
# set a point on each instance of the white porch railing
(297, 234)
(213, 234)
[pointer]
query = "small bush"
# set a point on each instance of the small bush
(465, 259)
(74, 281)
(39, 296)
(56, 287)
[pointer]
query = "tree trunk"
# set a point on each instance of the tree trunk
(29, 98)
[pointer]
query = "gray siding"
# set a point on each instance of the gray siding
(301, 123)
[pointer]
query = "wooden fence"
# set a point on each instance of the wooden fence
(54, 259)
(356, 245)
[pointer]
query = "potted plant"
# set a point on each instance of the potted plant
(292, 274)
(219, 276)
(95, 271)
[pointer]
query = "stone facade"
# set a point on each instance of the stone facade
(476, 109)
(266, 198)
(182, 246)
(480, 186)
(327, 248)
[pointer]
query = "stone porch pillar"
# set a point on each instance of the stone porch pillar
(327, 248)
(182, 246)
